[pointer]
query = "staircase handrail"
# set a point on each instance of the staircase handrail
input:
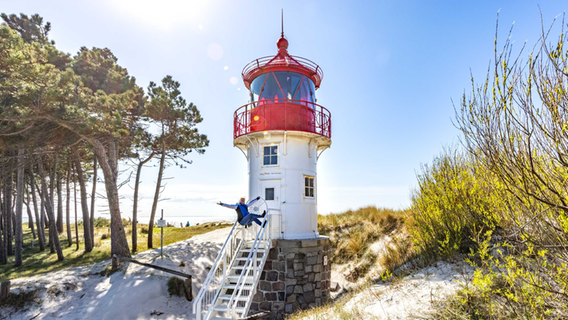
(216, 265)
(251, 259)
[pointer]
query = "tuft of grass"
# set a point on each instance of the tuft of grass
(176, 287)
(361, 269)
(20, 300)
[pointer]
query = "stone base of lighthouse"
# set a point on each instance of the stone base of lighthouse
(296, 276)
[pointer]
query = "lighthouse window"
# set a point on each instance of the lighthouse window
(270, 155)
(309, 186)
(269, 194)
(281, 85)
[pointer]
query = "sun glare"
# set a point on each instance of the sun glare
(164, 13)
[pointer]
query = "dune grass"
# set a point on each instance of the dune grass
(36, 262)
(352, 232)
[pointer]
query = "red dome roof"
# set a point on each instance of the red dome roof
(282, 62)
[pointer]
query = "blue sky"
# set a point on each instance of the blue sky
(391, 70)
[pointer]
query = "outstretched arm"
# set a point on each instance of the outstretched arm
(230, 206)
(253, 201)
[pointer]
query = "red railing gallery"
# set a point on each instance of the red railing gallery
(282, 114)
(259, 66)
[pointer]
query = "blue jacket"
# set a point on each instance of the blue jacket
(242, 209)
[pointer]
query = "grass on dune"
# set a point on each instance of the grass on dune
(352, 232)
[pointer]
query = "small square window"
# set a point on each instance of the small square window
(309, 189)
(270, 155)
(269, 194)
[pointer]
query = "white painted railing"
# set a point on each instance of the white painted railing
(211, 288)
(205, 300)
(251, 265)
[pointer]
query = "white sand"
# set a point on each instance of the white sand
(81, 293)
(413, 295)
(410, 297)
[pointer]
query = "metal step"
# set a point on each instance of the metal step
(235, 277)
(245, 258)
(246, 286)
(223, 308)
(260, 250)
(242, 267)
(227, 297)
(252, 242)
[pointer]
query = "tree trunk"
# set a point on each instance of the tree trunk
(8, 209)
(19, 236)
(3, 255)
(119, 243)
(135, 206)
(52, 182)
(13, 215)
(67, 209)
(39, 225)
(93, 194)
(29, 210)
(76, 223)
(84, 206)
(156, 196)
(45, 201)
(54, 237)
(45, 222)
(59, 205)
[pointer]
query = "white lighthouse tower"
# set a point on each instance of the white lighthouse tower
(283, 265)
(282, 131)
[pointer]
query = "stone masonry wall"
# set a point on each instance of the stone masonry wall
(296, 276)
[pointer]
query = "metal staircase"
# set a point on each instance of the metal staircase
(229, 288)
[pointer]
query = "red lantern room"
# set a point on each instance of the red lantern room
(282, 96)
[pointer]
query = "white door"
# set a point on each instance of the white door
(271, 193)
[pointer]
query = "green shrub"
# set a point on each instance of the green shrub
(101, 222)
(456, 200)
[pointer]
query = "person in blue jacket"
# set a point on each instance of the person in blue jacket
(243, 216)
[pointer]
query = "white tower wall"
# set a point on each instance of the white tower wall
(294, 214)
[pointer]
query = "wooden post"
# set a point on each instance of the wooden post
(4, 290)
(188, 289)
(115, 262)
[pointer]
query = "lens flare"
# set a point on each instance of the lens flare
(215, 51)
(256, 119)
(266, 135)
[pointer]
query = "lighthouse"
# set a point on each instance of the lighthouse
(284, 264)
(282, 131)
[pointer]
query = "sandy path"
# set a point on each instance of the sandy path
(81, 293)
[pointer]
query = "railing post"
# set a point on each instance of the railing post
(286, 115)
(224, 267)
